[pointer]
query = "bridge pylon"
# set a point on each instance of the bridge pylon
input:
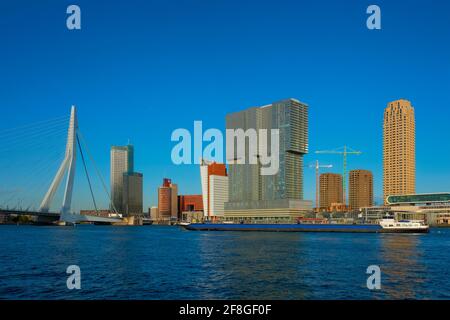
(67, 167)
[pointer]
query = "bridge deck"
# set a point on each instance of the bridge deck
(29, 213)
(56, 215)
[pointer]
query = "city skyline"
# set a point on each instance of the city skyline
(378, 200)
(216, 158)
(346, 98)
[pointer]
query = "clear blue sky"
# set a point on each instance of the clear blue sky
(140, 69)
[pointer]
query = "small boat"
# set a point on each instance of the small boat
(389, 224)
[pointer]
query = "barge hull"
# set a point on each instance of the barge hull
(298, 228)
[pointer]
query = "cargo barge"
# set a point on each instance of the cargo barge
(385, 226)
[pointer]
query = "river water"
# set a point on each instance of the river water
(162, 262)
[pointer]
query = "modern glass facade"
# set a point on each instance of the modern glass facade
(248, 189)
(132, 195)
(418, 198)
(122, 161)
(246, 183)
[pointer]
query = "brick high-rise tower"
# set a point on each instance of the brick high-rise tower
(360, 189)
(168, 200)
(330, 190)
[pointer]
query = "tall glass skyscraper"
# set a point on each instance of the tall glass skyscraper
(278, 196)
(122, 162)
(132, 194)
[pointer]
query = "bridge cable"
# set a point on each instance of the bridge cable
(33, 126)
(87, 174)
(98, 171)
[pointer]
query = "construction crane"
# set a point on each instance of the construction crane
(344, 151)
(317, 166)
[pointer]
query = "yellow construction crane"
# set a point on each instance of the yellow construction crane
(344, 151)
(317, 166)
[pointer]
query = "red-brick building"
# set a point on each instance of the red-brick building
(167, 200)
(189, 203)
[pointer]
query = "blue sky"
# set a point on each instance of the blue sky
(140, 69)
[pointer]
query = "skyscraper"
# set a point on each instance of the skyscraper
(132, 194)
(214, 182)
(399, 155)
(121, 162)
(330, 190)
(361, 189)
(168, 200)
(278, 196)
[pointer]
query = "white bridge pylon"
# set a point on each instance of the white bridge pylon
(68, 165)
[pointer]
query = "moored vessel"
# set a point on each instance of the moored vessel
(386, 225)
(404, 226)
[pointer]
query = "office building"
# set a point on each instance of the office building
(168, 200)
(153, 213)
(121, 162)
(360, 189)
(126, 185)
(214, 181)
(132, 194)
(191, 202)
(399, 162)
(270, 197)
(188, 205)
(331, 195)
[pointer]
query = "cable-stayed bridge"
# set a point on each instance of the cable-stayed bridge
(32, 138)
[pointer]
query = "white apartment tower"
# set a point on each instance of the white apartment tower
(214, 181)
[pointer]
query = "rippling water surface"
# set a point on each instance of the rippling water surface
(159, 262)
